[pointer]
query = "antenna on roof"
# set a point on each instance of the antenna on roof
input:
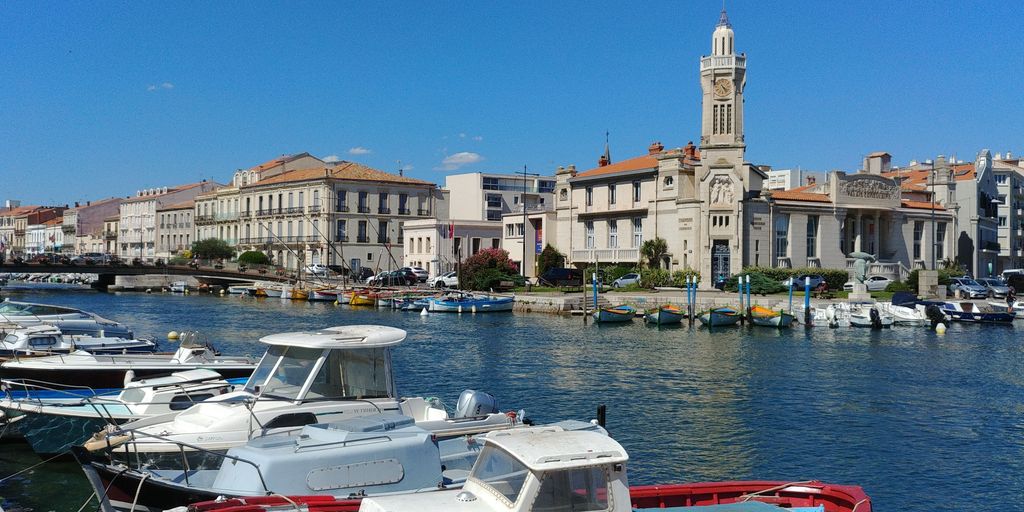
(400, 172)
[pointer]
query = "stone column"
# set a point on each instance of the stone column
(878, 234)
(858, 232)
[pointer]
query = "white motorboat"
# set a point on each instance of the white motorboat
(832, 315)
(1017, 308)
(45, 339)
(242, 289)
(113, 371)
(304, 378)
(70, 321)
(904, 314)
(57, 417)
(179, 287)
(869, 315)
(372, 455)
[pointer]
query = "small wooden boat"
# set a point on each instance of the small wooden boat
(470, 302)
(363, 298)
(664, 315)
(620, 313)
(719, 317)
(770, 318)
(971, 312)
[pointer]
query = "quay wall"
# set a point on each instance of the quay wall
(154, 282)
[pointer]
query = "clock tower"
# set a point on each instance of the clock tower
(722, 78)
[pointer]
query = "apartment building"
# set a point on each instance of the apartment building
(137, 223)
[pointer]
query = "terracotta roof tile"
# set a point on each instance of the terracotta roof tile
(341, 171)
(798, 195)
(179, 206)
(170, 190)
(21, 210)
(920, 205)
(633, 164)
(56, 221)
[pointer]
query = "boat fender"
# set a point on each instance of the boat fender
(129, 376)
(940, 328)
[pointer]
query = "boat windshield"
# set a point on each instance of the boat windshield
(13, 308)
(352, 373)
(283, 371)
(501, 472)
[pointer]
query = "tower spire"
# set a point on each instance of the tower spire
(607, 150)
(723, 19)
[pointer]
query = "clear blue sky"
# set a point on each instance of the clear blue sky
(103, 98)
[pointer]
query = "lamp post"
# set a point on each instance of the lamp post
(522, 203)
(935, 243)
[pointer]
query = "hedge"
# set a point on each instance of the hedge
(835, 277)
(760, 284)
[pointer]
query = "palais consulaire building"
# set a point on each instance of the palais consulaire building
(713, 208)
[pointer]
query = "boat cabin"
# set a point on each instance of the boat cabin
(533, 469)
(36, 339)
(175, 392)
(338, 362)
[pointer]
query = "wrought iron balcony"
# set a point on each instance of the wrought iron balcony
(314, 209)
(404, 211)
(342, 209)
(384, 211)
(364, 209)
(363, 239)
(423, 212)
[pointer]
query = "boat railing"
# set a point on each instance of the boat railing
(41, 385)
(182, 449)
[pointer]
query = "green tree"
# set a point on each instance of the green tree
(653, 251)
(253, 258)
(212, 248)
(492, 265)
(549, 258)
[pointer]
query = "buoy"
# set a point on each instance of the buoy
(473, 308)
(424, 312)
(222, 291)
(940, 328)
(460, 308)
(173, 335)
(149, 290)
(335, 302)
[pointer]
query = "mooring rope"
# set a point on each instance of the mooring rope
(4, 479)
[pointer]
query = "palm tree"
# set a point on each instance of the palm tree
(653, 251)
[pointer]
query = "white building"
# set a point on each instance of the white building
(1009, 176)
(785, 179)
(137, 224)
(438, 246)
(488, 196)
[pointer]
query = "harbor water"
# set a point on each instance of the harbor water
(922, 421)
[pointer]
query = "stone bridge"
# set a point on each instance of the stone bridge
(213, 275)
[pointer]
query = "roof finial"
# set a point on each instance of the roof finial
(607, 150)
(723, 20)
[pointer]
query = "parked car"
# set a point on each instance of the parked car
(1011, 272)
(967, 288)
(799, 281)
(89, 258)
(873, 283)
(421, 274)
(446, 280)
(317, 270)
(997, 288)
(393, 278)
(626, 280)
(563, 277)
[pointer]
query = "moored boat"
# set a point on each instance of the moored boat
(615, 314)
(179, 287)
(720, 317)
(469, 302)
(664, 315)
(869, 315)
(363, 298)
(45, 339)
(537, 470)
(964, 311)
(770, 318)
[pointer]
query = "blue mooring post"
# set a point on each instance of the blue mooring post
(687, 282)
(593, 279)
(739, 286)
(749, 304)
(694, 313)
(807, 302)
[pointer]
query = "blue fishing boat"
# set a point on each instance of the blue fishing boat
(719, 317)
(971, 312)
(467, 302)
(664, 315)
(620, 313)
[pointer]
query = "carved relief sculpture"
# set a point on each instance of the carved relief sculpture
(869, 189)
(721, 190)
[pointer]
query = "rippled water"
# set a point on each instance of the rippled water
(921, 421)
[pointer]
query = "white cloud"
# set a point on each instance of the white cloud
(359, 150)
(407, 167)
(456, 161)
(478, 138)
(462, 135)
(332, 158)
(165, 85)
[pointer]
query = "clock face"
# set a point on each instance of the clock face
(723, 87)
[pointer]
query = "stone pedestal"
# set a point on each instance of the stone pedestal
(928, 285)
(860, 292)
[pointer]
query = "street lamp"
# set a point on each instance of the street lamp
(935, 243)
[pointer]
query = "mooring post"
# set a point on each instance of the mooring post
(807, 302)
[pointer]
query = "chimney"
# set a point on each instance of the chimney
(811, 180)
(690, 150)
(655, 148)
(76, 204)
(603, 161)
(1009, 156)
(572, 170)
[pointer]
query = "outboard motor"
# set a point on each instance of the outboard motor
(935, 315)
(475, 403)
(876, 319)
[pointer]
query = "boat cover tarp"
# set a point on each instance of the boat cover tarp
(904, 298)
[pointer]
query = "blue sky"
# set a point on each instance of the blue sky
(103, 98)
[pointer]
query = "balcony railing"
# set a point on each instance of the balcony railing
(606, 255)
(110, 235)
(783, 262)
(205, 219)
(19, 232)
(384, 210)
(383, 240)
(341, 209)
(342, 238)
(263, 212)
(364, 209)
(314, 209)
(292, 210)
(404, 211)
(227, 217)
(363, 239)
(67, 229)
(724, 61)
(423, 212)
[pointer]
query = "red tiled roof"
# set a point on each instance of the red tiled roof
(341, 171)
(54, 221)
(920, 205)
(798, 194)
(180, 206)
(633, 164)
(170, 190)
(21, 210)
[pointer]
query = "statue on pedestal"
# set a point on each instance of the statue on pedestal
(860, 267)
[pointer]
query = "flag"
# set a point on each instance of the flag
(444, 232)
(451, 230)
(52, 239)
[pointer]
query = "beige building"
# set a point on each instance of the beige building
(83, 225)
(1009, 177)
(137, 224)
(174, 229)
(340, 213)
(539, 229)
(110, 233)
(14, 223)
